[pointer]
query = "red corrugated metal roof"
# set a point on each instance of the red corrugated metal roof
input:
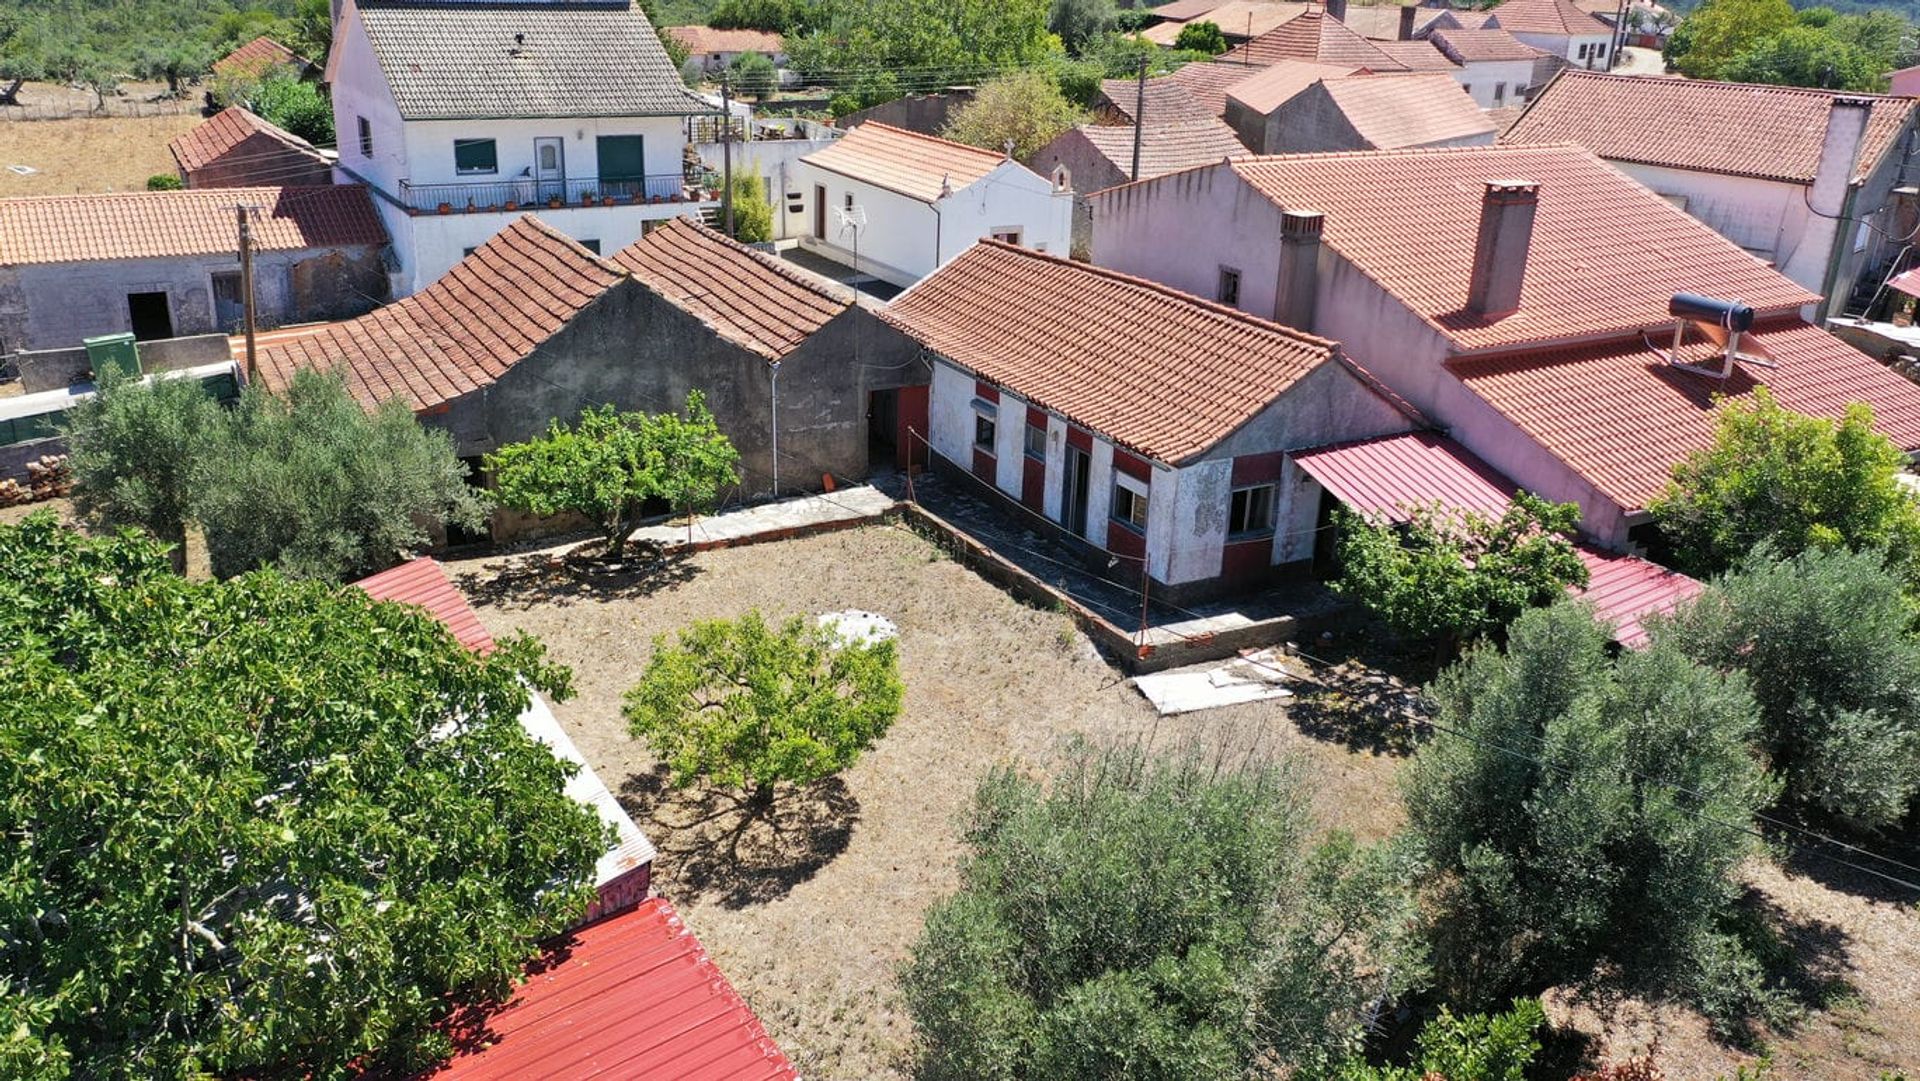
(1907, 282)
(424, 582)
(1390, 475)
(633, 996)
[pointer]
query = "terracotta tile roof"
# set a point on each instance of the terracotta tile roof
(169, 224)
(206, 142)
(634, 995)
(1381, 22)
(1166, 100)
(1419, 55)
(257, 57)
(1621, 418)
(760, 302)
(1243, 19)
(917, 166)
(1391, 475)
(1267, 90)
(1209, 82)
(423, 583)
(1471, 19)
(1185, 10)
(1584, 276)
(460, 333)
(1559, 18)
(1162, 373)
(458, 61)
(1768, 132)
(1482, 46)
(1165, 148)
(1393, 111)
(1162, 34)
(706, 39)
(1313, 35)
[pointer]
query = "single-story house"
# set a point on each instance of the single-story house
(1398, 22)
(1362, 112)
(1238, 20)
(1775, 169)
(258, 58)
(1145, 426)
(1558, 28)
(1316, 36)
(1495, 67)
(1506, 304)
(1161, 100)
(911, 202)
(1088, 157)
(717, 50)
(236, 149)
(165, 264)
(1208, 82)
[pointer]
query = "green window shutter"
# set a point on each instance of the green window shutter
(622, 157)
(475, 156)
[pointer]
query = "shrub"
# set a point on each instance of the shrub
(164, 182)
(298, 106)
(752, 75)
(1026, 109)
(1201, 37)
(1477, 1047)
(752, 214)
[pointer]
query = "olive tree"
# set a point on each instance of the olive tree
(1580, 819)
(258, 828)
(133, 449)
(744, 705)
(1153, 918)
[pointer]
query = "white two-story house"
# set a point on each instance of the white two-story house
(462, 115)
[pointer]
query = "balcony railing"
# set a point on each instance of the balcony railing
(525, 194)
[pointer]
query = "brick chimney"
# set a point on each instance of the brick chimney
(1406, 22)
(1293, 295)
(1337, 9)
(1500, 252)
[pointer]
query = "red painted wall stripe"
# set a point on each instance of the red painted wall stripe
(1132, 466)
(1251, 469)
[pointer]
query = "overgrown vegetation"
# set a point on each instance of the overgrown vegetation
(98, 43)
(752, 214)
(743, 705)
(1201, 37)
(1477, 1047)
(310, 484)
(1768, 41)
(1153, 918)
(294, 104)
(1019, 113)
(260, 828)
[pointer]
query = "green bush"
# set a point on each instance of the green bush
(752, 75)
(1477, 1047)
(752, 214)
(1201, 37)
(299, 107)
(164, 182)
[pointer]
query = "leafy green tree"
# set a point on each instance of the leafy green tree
(1805, 56)
(1456, 576)
(752, 214)
(1581, 818)
(314, 486)
(134, 448)
(1078, 22)
(610, 464)
(1153, 919)
(296, 105)
(776, 16)
(743, 705)
(866, 47)
(258, 828)
(1201, 37)
(1025, 108)
(1826, 640)
(1477, 1047)
(1792, 482)
(1719, 30)
(753, 75)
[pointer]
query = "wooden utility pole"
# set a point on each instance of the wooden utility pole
(1139, 117)
(726, 150)
(246, 284)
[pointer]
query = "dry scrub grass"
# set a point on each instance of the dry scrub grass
(115, 153)
(810, 922)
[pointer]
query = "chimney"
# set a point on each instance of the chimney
(1293, 296)
(1500, 252)
(1337, 9)
(1830, 197)
(1406, 22)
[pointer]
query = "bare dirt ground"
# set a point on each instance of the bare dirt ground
(810, 924)
(94, 154)
(42, 101)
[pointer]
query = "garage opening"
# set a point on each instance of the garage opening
(150, 316)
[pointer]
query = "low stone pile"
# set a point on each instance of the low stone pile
(47, 478)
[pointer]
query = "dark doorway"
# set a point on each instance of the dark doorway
(883, 428)
(458, 535)
(1324, 542)
(150, 317)
(229, 308)
(819, 212)
(1073, 490)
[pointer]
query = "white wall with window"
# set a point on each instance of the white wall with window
(1495, 84)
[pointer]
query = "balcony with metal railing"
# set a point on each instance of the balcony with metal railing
(527, 194)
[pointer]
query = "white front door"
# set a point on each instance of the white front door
(550, 167)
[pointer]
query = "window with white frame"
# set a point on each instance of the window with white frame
(1251, 511)
(475, 156)
(986, 417)
(1037, 441)
(1129, 501)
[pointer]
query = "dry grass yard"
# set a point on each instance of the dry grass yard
(113, 153)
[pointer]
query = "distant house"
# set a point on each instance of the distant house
(1509, 303)
(1249, 103)
(1905, 82)
(1497, 68)
(462, 114)
(1088, 157)
(236, 149)
(1148, 426)
(1398, 22)
(1209, 82)
(1362, 112)
(1804, 179)
(258, 59)
(1558, 28)
(1418, 54)
(1161, 100)
(923, 201)
(717, 50)
(165, 264)
(1315, 36)
(1238, 20)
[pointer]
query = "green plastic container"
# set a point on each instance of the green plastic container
(113, 353)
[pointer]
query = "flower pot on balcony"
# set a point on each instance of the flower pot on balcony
(678, 197)
(553, 202)
(655, 200)
(587, 199)
(606, 200)
(471, 209)
(446, 208)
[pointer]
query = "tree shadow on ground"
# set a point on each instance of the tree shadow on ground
(1362, 709)
(716, 845)
(579, 574)
(1805, 960)
(1838, 867)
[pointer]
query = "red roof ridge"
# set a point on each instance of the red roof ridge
(534, 221)
(793, 272)
(1717, 85)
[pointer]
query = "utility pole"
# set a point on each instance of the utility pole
(246, 283)
(726, 149)
(1139, 117)
(1619, 39)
